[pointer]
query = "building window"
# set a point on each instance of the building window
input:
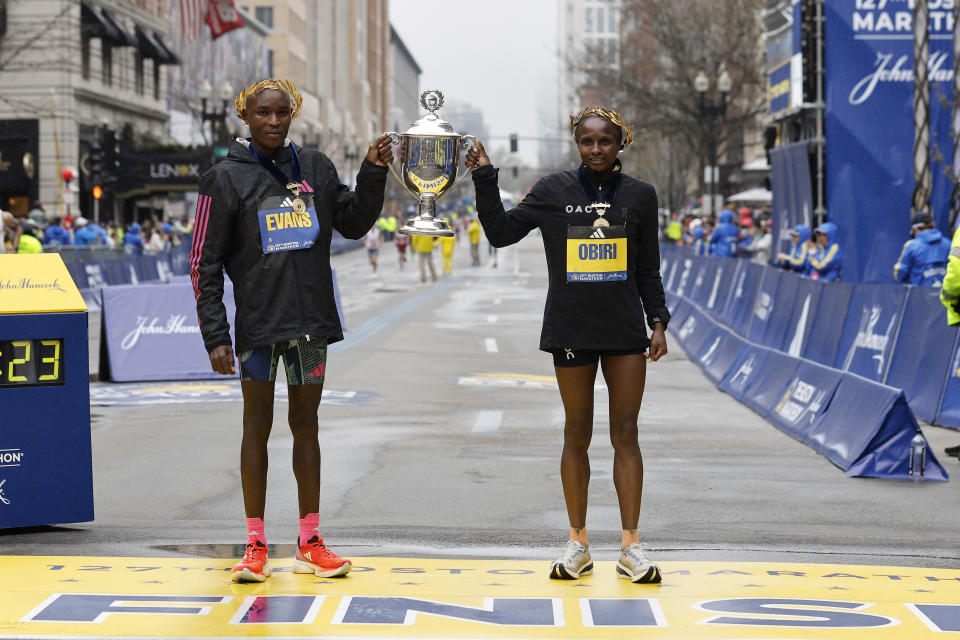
(614, 15)
(269, 63)
(600, 19)
(589, 24)
(156, 80)
(106, 59)
(612, 51)
(264, 15)
(85, 56)
(138, 74)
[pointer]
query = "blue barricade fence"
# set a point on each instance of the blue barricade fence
(836, 403)
(925, 344)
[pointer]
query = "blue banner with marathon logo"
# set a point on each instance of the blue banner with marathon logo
(870, 331)
(805, 398)
(719, 284)
(869, 128)
(718, 352)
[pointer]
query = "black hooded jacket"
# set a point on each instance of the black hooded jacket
(580, 315)
(284, 295)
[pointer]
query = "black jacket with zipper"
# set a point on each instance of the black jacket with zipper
(284, 295)
(595, 316)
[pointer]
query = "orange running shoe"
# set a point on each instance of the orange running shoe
(254, 566)
(315, 558)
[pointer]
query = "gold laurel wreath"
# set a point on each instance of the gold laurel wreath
(610, 115)
(285, 86)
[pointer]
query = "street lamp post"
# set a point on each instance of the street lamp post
(713, 111)
(214, 115)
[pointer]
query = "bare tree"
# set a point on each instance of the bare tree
(664, 44)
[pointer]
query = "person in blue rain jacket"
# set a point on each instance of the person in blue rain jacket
(723, 242)
(699, 247)
(826, 261)
(923, 261)
(796, 260)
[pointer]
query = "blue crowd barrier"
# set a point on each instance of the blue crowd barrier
(870, 331)
(828, 321)
(719, 282)
(740, 307)
(921, 359)
(800, 323)
(808, 393)
(949, 412)
(839, 407)
(764, 308)
(867, 431)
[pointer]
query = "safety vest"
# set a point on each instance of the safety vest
(950, 293)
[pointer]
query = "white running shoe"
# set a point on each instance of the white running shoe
(635, 567)
(574, 562)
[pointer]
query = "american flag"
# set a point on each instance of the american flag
(192, 16)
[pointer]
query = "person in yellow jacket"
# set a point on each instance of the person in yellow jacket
(423, 247)
(950, 291)
(950, 297)
(473, 232)
(29, 243)
(446, 251)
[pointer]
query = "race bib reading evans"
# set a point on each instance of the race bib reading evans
(282, 228)
(596, 254)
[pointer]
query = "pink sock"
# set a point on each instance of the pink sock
(255, 530)
(309, 527)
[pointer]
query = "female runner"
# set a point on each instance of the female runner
(599, 229)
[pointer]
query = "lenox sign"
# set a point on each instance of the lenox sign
(165, 170)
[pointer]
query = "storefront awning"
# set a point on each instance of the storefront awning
(125, 38)
(151, 46)
(95, 25)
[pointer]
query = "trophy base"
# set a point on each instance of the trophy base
(427, 227)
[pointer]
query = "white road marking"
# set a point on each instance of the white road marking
(490, 344)
(487, 422)
(497, 301)
(491, 319)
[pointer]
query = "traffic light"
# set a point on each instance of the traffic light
(97, 192)
(513, 143)
(96, 158)
(111, 156)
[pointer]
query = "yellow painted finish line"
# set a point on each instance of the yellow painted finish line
(78, 597)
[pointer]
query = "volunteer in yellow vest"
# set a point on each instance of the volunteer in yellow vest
(950, 292)
(447, 246)
(473, 232)
(29, 243)
(599, 230)
(423, 247)
(675, 231)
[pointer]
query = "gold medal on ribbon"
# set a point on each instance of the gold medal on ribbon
(299, 206)
(600, 208)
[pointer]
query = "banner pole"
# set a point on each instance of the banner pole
(921, 109)
(820, 211)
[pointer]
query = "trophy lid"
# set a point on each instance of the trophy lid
(431, 124)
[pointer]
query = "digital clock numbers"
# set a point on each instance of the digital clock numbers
(31, 362)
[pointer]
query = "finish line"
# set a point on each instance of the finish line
(109, 597)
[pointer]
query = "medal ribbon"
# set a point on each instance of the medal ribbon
(275, 171)
(591, 191)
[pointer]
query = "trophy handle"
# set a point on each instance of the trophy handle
(394, 171)
(473, 141)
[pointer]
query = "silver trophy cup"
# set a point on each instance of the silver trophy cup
(430, 158)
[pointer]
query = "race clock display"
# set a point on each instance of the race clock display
(31, 362)
(45, 394)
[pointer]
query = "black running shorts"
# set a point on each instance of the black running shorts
(580, 357)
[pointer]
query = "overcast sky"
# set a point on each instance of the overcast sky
(498, 55)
